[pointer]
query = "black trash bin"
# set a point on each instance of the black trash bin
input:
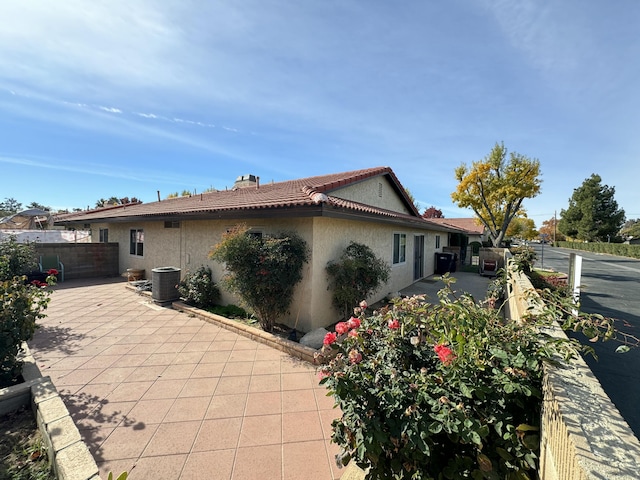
(164, 284)
(443, 263)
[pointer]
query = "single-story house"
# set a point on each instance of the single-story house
(367, 206)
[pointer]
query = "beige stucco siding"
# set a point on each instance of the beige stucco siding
(188, 247)
(375, 191)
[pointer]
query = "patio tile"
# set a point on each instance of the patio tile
(207, 370)
(196, 387)
(261, 430)
(167, 466)
(114, 375)
(130, 360)
(172, 438)
(217, 346)
(216, 357)
(126, 442)
(323, 400)
(160, 359)
(237, 368)
(164, 389)
(75, 377)
(230, 385)
(145, 373)
(187, 357)
(209, 465)
(265, 383)
(297, 381)
(149, 411)
(226, 406)
(133, 391)
(258, 463)
(263, 403)
(301, 427)
(187, 409)
(178, 371)
(266, 367)
(171, 347)
(218, 434)
(306, 460)
(298, 401)
(115, 466)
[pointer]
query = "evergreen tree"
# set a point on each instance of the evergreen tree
(593, 214)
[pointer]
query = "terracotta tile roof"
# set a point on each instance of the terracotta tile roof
(304, 192)
(468, 225)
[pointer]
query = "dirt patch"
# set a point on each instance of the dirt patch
(23, 455)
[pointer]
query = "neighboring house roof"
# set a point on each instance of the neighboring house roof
(469, 225)
(306, 196)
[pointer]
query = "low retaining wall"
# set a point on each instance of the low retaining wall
(68, 454)
(84, 260)
(584, 437)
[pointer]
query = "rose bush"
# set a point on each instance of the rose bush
(438, 391)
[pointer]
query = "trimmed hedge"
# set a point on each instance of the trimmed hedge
(620, 249)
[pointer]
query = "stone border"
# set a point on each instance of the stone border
(68, 454)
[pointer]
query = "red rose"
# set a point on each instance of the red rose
(341, 327)
(445, 354)
(354, 322)
(393, 324)
(329, 338)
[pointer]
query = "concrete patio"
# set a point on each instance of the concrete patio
(162, 394)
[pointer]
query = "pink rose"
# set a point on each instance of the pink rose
(329, 338)
(354, 322)
(342, 327)
(394, 324)
(353, 333)
(445, 354)
(363, 304)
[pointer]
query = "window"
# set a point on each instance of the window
(104, 235)
(437, 241)
(136, 242)
(380, 189)
(399, 248)
(171, 224)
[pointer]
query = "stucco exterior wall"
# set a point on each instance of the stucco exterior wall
(188, 246)
(375, 191)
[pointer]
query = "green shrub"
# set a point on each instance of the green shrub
(263, 271)
(22, 305)
(356, 275)
(16, 258)
(620, 249)
(198, 288)
(439, 391)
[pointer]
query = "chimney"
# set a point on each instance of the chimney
(245, 181)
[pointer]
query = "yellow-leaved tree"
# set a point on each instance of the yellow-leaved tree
(495, 187)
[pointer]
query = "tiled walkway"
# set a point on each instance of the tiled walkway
(163, 395)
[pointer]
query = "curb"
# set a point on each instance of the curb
(68, 454)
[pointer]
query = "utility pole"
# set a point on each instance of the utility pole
(555, 223)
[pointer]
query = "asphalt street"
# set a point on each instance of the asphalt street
(609, 286)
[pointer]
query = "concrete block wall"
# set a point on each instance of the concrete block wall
(584, 437)
(84, 260)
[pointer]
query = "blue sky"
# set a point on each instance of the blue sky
(127, 97)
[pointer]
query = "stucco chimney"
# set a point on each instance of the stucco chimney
(246, 181)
